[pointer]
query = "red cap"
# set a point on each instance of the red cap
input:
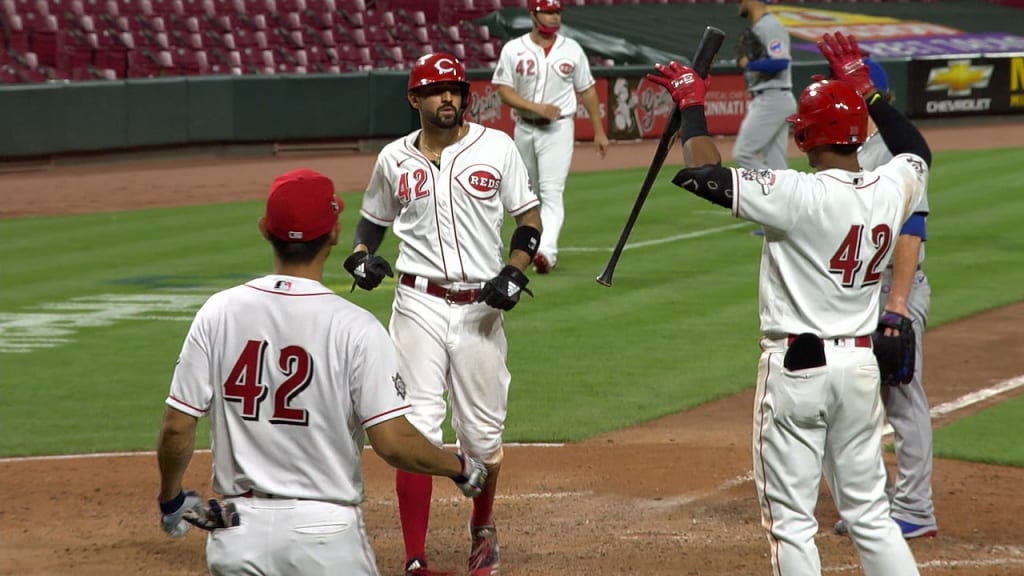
(545, 5)
(302, 206)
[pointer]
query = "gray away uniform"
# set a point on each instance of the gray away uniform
(764, 133)
(907, 406)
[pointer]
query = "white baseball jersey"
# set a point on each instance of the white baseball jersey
(290, 375)
(874, 153)
(449, 219)
(826, 280)
(552, 76)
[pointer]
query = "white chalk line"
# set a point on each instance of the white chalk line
(658, 241)
(953, 564)
(151, 453)
(969, 399)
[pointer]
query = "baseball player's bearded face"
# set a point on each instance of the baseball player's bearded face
(440, 103)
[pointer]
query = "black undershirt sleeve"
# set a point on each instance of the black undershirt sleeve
(369, 234)
(899, 134)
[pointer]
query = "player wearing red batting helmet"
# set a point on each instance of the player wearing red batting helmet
(830, 232)
(432, 72)
(829, 112)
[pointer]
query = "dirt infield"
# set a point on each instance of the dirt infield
(674, 496)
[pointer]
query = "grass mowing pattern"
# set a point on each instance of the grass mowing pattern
(678, 328)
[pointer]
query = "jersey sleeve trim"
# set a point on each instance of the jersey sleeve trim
(520, 209)
(385, 416)
(915, 226)
(376, 219)
(735, 191)
(185, 407)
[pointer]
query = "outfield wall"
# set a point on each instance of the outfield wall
(40, 120)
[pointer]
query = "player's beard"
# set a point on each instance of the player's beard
(445, 117)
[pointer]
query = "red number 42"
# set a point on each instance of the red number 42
(847, 259)
(245, 383)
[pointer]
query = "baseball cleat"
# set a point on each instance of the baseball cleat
(541, 264)
(911, 531)
(417, 567)
(483, 558)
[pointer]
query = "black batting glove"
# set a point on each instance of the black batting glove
(368, 269)
(503, 291)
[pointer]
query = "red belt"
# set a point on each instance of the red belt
(449, 296)
(858, 341)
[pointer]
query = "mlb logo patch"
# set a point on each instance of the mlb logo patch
(283, 285)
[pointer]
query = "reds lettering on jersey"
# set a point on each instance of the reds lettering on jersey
(551, 78)
(449, 218)
(832, 270)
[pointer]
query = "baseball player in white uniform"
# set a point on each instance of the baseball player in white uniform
(539, 75)
(445, 190)
(291, 376)
(906, 291)
(828, 238)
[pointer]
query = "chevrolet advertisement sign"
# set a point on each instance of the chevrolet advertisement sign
(966, 86)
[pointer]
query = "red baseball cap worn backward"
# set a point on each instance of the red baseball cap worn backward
(302, 206)
(545, 5)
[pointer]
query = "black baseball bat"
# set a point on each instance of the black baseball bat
(710, 42)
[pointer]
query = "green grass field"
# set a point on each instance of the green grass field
(94, 308)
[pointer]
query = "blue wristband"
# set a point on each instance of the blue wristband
(172, 504)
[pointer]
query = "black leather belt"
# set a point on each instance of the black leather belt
(450, 296)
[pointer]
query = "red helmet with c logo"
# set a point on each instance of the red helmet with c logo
(545, 6)
(437, 67)
(829, 112)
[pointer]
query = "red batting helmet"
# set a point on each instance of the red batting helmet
(545, 5)
(437, 67)
(829, 112)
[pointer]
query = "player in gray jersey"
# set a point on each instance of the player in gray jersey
(905, 291)
(764, 133)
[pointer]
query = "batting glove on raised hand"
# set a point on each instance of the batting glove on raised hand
(474, 475)
(173, 512)
(847, 63)
(368, 269)
(685, 85)
(213, 516)
(503, 291)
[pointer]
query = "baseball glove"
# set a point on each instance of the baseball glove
(895, 354)
(749, 45)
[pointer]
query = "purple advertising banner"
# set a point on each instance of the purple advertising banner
(994, 42)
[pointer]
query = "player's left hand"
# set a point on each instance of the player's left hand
(685, 85)
(173, 511)
(847, 63)
(474, 475)
(894, 343)
(503, 291)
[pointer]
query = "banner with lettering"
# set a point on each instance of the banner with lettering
(485, 107)
(965, 86)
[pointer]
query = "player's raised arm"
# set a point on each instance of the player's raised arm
(704, 174)
(847, 64)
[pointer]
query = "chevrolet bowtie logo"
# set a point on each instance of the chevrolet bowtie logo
(958, 78)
